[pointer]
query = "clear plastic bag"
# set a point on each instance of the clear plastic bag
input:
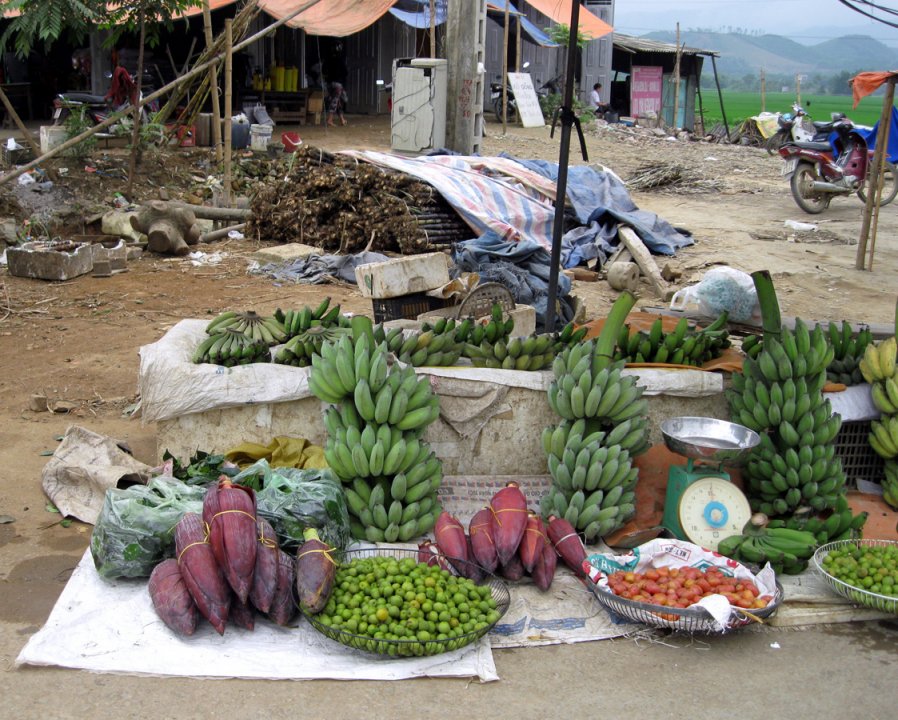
(721, 289)
(135, 529)
(292, 499)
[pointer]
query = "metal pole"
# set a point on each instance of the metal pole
(505, 73)
(563, 153)
(720, 97)
(433, 28)
(763, 91)
(676, 107)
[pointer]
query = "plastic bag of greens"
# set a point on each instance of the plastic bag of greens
(135, 529)
(292, 499)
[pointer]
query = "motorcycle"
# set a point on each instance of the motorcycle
(97, 108)
(796, 126)
(818, 171)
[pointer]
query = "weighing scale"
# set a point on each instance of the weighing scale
(701, 504)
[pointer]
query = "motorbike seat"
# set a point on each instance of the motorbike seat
(810, 145)
(821, 126)
(83, 97)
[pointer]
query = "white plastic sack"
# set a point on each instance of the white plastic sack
(721, 289)
(171, 385)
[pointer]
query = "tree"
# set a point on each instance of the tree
(39, 23)
(561, 34)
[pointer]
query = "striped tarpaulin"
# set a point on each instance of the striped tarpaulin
(493, 193)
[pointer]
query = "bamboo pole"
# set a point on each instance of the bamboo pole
(213, 82)
(433, 28)
(517, 47)
(115, 117)
(676, 107)
(798, 89)
(138, 110)
(229, 50)
(505, 73)
(861, 261)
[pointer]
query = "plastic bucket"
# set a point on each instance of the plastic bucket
(204, 129)
(52, 136)
(260, 136)
(239, 136)
(291, 141)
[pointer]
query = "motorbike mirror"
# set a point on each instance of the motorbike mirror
(526, 64)
(378, 82)
(107, 74)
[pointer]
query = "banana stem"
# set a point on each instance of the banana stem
(771, 321)
(604, 350)
(896, 317)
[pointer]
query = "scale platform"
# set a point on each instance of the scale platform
(701, 505)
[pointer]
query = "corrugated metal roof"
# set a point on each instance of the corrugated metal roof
(638, 44)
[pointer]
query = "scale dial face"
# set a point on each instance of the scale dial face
(712, 509)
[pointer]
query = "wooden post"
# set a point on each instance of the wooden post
(798, 89)
(433, 28)
(229, 57)
(517, 47)
(763, 91)
(463, 50)
(505, 72)
(213, 82)
(874, 192)
(138, 110)
(720, 97)
(676, 107)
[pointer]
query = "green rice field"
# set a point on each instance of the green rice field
(741, 105)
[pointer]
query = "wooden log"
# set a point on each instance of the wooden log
(169, 230)
(221, 233)
(643, 258)
(213, 213)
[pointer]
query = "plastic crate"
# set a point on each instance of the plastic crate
(404, 307)
(859, 460)
(19, 156)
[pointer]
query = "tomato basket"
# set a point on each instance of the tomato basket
(878, 601)
(402, 647)
(693, 619)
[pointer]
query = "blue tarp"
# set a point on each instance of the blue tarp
(601, 201)
(527, 27)
(420, 17)
(892, 150)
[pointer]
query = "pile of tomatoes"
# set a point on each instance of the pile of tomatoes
(684, 586)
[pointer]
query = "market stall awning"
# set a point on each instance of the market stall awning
(560, 12)
(496, 8)
(335, 18)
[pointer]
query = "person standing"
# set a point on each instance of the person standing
(336, 103)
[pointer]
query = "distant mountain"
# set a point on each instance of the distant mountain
(776, 54)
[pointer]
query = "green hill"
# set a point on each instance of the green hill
(775, 54)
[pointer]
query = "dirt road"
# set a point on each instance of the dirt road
(76, 343)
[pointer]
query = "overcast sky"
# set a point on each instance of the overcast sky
(806, 21)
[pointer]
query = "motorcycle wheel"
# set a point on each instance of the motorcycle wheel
(774, 143)
(889, 186)
(512, 112)
(808, 199)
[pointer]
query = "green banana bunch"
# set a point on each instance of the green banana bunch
(534, 352)
(324, 315)
(682, 346)
(256, 327)
(604, 395)
(890, 484)
(498, 328)
(229, 347)
(885, 395)
(299, 349)
(392, 337)
(779, 395)
(883, 437)
(878, 362)
(429, 347)
(377, 516)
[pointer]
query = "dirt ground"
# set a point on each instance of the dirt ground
(76, 343)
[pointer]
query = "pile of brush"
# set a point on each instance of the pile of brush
(341, 205)
(228, 566)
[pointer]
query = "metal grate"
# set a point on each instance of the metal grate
(859, 460)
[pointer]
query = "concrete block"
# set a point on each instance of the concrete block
(50, 261)
(403, 275)
(285, 253)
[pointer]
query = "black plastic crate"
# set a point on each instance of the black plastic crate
(404, 307)
(859, 460)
